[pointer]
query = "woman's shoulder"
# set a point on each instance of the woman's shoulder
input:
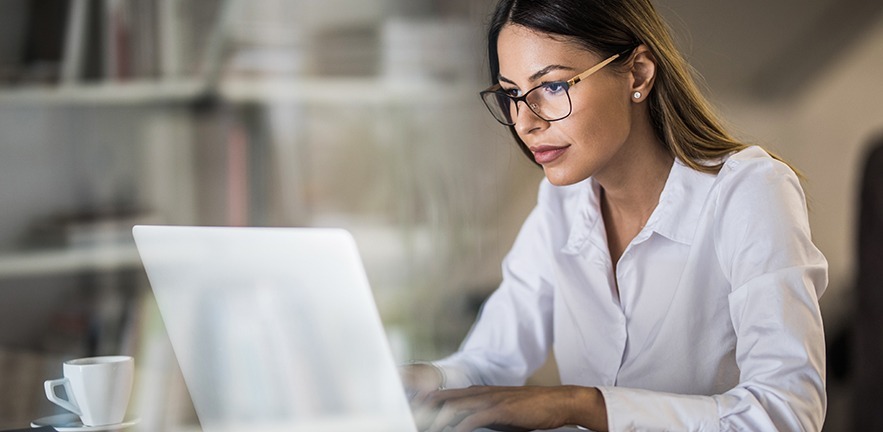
(758, 193)
(754, 164)
(753, 179)
(761, 220)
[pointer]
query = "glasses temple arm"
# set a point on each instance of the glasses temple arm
(594, 69)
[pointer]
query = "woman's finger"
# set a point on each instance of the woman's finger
(450, 413)
(474, 421)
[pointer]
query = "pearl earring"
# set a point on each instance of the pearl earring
(637, 95)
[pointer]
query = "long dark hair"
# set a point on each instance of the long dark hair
(682, 118)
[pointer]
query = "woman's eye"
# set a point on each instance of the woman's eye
(554, 87)
(513, 92)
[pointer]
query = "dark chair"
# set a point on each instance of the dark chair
(868, 330)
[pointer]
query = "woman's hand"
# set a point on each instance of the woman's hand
(511, 409)
(419, 380)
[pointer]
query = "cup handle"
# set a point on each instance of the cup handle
(69, 404)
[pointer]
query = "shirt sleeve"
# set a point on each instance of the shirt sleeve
(777, 275)
(513, 333)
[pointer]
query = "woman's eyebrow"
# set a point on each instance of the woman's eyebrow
(539, 74)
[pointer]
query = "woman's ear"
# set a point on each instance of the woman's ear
(643, 73)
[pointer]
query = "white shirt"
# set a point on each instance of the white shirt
(715, 324)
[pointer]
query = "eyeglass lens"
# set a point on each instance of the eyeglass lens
(549, 101)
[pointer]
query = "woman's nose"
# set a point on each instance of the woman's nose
(527, 121)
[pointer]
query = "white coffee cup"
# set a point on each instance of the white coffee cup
(97, 388)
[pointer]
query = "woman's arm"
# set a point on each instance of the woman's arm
(514, 408)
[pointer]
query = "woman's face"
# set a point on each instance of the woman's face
(587, 141)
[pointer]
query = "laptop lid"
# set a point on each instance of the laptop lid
(274, 328)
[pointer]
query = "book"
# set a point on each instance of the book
(75, 42)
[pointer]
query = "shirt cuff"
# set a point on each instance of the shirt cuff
(635, 409)
(457, 375)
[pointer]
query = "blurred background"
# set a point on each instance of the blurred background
(360, 114)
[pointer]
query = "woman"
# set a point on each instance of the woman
(669, 266)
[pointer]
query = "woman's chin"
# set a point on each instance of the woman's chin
(561, 177)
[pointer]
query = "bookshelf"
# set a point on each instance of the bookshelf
(183, 149)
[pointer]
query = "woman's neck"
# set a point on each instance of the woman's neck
(634, 181)
(630, 194)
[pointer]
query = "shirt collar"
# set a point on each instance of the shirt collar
(680, 204)
(585, 226)
(675, 217)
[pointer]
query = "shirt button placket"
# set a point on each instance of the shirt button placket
(623, 269)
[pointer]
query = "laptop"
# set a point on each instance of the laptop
(274, 328)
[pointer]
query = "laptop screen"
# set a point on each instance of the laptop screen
(274, 328)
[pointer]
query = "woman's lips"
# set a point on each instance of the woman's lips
(545, 154)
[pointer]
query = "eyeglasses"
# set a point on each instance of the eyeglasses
(549, 101)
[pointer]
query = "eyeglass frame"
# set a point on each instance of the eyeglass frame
(495, 89)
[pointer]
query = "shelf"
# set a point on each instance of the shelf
(359, 91)
(72, 260)
(123, 93)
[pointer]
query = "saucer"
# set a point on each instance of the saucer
(72, 423)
